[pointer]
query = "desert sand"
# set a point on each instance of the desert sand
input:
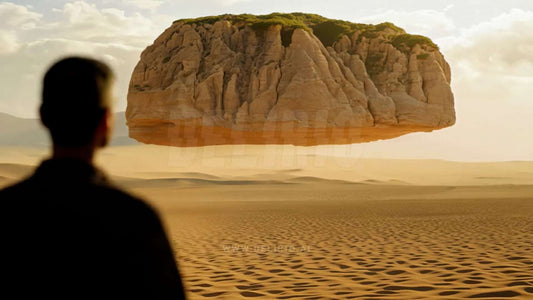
(286, 222)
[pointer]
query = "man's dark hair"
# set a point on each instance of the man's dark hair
(75, 99)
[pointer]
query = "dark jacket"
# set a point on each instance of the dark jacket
(68, 233)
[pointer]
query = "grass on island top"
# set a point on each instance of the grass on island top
(328, 31)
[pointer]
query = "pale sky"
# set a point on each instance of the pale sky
(489, 45)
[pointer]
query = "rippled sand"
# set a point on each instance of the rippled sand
(343, 241)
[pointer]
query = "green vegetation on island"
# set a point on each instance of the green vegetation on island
(404, 42)
(328, 31)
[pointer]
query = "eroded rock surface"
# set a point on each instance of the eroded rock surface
(226, 82)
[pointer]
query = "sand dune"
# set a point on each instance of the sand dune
(10, 172)
(247, 224)
(285, 162)
(341, 241)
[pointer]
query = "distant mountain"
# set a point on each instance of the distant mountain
(120, 132)
(15, 131)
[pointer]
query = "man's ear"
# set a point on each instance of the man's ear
(106, 121)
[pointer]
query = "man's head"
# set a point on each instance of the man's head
(76, 102)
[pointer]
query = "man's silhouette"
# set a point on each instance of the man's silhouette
(66, 231)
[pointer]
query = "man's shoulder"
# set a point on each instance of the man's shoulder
(131, 210)
(111, 189)
(99, 195)
(111, 193)
(15, 188)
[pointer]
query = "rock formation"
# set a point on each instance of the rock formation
(296, 79)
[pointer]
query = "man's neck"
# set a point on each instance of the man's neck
(84, 153)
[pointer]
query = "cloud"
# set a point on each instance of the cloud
(492, 64)
(492, 79)
(22, 72)
(13, 15)
(83, 21)
(431, 23)
(8, 42)
(143, 4)
(502, 46)
(14, 18)
(78, 28)
(229, 2)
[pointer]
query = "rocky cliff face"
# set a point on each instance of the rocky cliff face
(226, 81)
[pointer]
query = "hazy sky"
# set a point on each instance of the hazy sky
(489, 45)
